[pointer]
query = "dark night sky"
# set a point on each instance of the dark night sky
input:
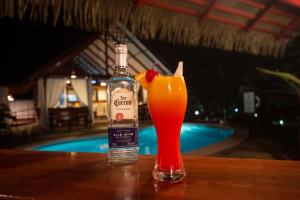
(25, 47)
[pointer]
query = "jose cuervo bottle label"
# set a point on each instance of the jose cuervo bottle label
(122, 108)
(122, 104)
(122, 137)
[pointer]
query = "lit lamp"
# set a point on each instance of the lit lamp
(103, 84)
(10, 98)
(73, 75)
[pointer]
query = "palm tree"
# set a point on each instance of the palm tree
(294, 85)
(290, 79)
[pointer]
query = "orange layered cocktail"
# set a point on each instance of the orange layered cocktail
(167, 100)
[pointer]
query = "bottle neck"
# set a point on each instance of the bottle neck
(121, 58)
(121, 63)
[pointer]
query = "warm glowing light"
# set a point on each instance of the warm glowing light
(68, 81)
(10, 98)
(197, 112)
(103, 84)
(73, 76)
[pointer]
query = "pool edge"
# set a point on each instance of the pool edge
(239, 135)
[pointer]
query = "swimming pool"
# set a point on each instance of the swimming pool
(192, 137)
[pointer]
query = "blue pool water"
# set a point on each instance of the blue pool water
(192, 137)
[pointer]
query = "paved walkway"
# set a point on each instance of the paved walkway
(266, 143)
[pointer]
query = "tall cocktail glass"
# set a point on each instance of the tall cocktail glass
(167, 101)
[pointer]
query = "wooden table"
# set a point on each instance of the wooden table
(40, 175)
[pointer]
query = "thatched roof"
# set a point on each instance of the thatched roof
(257, 27)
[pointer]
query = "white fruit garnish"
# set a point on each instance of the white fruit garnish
(179, 70)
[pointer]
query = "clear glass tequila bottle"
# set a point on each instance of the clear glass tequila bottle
(122, 111)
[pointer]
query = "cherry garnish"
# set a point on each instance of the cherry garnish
(151, 73)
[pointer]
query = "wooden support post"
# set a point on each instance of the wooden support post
(106, 50)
